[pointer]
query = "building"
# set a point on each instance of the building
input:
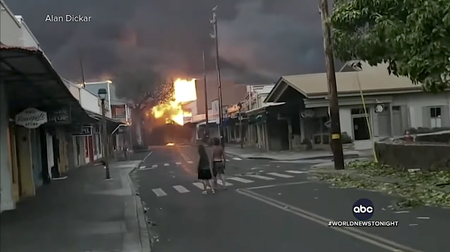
(41, 116)
(393, 104)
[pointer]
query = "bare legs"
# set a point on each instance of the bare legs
(205, 186)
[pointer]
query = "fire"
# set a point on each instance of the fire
(173, 110)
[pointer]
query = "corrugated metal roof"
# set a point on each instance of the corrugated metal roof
(371, 80)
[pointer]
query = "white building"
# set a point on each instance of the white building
(393, 104)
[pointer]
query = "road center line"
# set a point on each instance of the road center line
(354, 232)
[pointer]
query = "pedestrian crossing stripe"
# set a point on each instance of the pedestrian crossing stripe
(236, 158)
(178, 163)
(182, 189)
(166, 164)
(243, 180)
(260, 177)
(280, 175)
(154, 166)
(190, 162)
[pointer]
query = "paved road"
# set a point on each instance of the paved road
(270, 206)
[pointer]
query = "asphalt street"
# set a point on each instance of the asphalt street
(270, 206)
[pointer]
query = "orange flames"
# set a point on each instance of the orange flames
(173, 110)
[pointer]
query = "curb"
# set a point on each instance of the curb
(348, 156)
(144, 232)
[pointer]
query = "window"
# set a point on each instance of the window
(435, 114)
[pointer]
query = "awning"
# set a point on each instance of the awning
(32, 82)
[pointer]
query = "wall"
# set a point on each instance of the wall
(10, 29)
(415, 103)
(89, 101)
(27, 38)
(412, 156)
(345, 119)
(7, 202)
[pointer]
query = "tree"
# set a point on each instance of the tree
(143, 89)
(412, 36)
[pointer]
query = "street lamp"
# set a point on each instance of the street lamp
(102, 94)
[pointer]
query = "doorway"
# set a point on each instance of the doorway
(360, 128)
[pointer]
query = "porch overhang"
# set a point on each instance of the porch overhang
(32, 82)
(282, 89)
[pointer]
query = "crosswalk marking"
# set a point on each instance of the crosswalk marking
(178, 163)
(296, 172)
(199, 185)
(154, 166)
(142, 167)
(190, 162)
(181, 189)
(166, 164)
(236, 158)
(276, 174)
(242, 180)
(227, 160)
(159, 192)
(261, 177)
(226, 183)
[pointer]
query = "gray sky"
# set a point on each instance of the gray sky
(259, 39)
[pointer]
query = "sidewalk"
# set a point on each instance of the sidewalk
(255, 153)
(82, 213)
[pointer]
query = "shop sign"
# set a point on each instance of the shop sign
(60, 116)
(31, 118)
(84, 131)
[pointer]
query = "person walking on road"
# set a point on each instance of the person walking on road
(218, 159)
(204, 169)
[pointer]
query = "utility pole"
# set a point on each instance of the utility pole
(215, 36)
(241, 137)
(206, 98)
(335, 128)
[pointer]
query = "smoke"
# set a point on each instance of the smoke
(259, 39)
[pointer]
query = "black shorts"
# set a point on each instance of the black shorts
(218, 167)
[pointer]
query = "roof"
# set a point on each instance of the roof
(372, 80)
(263, 107)
(30, 76)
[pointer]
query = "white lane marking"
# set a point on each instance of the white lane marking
(236, 158)
(296, 172)
(280, 175)
(276, 185)
(260, 177)
(181, 189)
(199, 185)
(354, 232)
(159, 192)
(190, 162)
(166, 164)
(178, 163)
(220, 183)
(242, 180)
(143, 160)
(142, 167)
(227, 160)
(154, 166)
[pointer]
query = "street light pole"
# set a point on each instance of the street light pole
(102, 95)
(241, 137)
(335, 128)
(206, 98)
(215, 36)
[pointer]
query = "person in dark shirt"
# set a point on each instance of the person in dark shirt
(204, 169)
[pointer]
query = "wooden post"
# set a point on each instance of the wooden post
(335, 128)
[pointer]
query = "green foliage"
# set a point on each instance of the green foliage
(412, 36)
(416, 188)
